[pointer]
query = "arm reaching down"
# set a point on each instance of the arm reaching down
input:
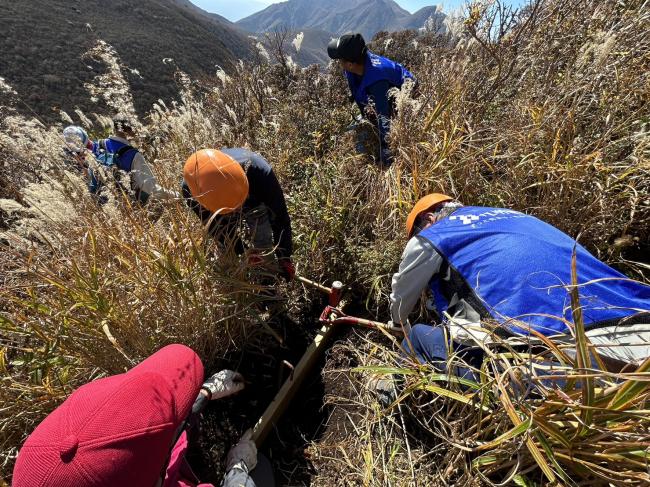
(145, 181)
(420, 262)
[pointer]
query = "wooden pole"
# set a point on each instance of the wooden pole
(313, 284)
(277, 407)
(288, 390)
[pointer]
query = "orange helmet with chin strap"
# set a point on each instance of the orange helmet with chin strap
(424, 204)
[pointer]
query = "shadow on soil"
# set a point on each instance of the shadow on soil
(265, 365)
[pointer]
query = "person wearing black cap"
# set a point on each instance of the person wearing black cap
(370, 76)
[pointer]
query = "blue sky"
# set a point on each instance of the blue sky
(235, 10)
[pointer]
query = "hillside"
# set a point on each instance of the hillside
(45, 65)
(338, 16)
(542, 111)
(418, 19)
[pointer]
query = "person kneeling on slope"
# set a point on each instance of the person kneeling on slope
(118, 155)
(132, 429)
(510, 269)
(222, 185)
(370, 77)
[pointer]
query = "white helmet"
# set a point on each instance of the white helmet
(75, 138)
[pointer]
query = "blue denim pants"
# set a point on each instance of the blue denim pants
(432, 345)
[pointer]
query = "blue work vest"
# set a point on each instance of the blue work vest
(377, 69)
(506, 264)
(125, 159)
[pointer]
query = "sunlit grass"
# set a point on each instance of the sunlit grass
(549, 118)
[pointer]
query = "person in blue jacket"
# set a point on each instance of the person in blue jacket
(118, 154)
(370, 77)
(510, 269)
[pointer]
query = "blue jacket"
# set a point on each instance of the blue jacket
(377, 69)
(506, 264)
(380, 75)
(125, 152)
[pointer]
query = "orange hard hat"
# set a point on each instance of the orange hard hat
(423, 205)
(216, 181)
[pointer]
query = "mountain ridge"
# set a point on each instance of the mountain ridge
(338, 17)
(142, 32)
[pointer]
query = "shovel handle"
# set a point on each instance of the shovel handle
(315, 285)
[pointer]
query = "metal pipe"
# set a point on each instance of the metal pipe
(351, 320)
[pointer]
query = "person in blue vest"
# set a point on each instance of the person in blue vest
(124, 157)
(513, 270)
(370, 77)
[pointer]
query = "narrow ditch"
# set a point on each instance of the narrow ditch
(266, 364)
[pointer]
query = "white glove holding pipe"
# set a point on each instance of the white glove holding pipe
(223, 384)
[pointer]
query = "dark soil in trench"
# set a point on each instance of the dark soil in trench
(264, 364)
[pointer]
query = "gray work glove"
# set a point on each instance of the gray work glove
(245, 451)
(223, 384)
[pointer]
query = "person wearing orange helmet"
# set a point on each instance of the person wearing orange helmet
(419, 259)
(222, 185)
(512, 270)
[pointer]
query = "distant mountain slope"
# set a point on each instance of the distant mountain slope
(418, 19)
(313, 48)
(337, 16)
(232, 35)
(42, 43)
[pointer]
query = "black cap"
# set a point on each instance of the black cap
(350, 47)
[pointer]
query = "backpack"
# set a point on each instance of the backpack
(114, 159)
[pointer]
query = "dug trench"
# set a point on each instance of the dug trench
(266, 362)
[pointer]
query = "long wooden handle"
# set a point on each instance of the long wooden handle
(279, 404)
(313, 284)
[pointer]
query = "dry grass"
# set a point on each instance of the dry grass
(544, 111)
(519, 422)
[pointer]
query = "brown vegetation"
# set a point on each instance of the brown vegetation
(43, 43)
(546, 114)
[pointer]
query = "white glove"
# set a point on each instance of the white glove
(224, 384)
(406, 326)
(244, 451)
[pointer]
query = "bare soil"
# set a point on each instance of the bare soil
(264, 364)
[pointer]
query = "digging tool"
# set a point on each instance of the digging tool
(330, 317)
(334, 316)
(333, 292)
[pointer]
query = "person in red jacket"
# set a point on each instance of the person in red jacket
(131, 429)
